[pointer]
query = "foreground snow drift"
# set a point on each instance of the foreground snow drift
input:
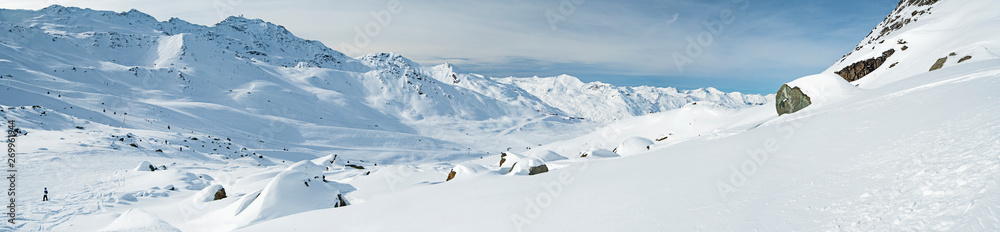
(299, 188)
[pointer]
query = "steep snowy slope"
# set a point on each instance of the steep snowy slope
(919, 35)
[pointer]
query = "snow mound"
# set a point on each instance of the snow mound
(138, 220)
(521, 165)
(600, 153)
(252, 161)
(466, 170)
(325, 160)
(823, 88)
(298, 188)
(144, 167)
(634, 145)
(206, 194)
(546, 155)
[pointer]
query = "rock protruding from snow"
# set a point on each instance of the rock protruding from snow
(138, 220)
(634, 145)
(516, 164)
(211, 193)
(219, 195)
(790, 100)
(465, 170)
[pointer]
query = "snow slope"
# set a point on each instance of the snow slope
(930, 30)
(293, 131)
(905, 149)
(114, 92)
(900, 157)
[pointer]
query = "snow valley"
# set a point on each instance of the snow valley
(127, 123)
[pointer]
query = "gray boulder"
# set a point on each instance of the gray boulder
(790, 100)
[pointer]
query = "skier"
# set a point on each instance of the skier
(46, 196)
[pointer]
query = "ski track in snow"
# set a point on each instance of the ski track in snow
(65, 203)
(935, 177)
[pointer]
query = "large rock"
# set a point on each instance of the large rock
(860, 69)
(791, 100)
(538, 169)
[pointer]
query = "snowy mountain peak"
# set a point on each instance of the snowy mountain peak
(388, 60)
(253, 26)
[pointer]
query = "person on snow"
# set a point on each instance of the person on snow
(46, 196)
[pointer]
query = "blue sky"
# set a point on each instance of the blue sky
(764, 44)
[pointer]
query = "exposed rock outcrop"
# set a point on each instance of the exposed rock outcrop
(939, 63)
(791, 100)
(862, 68)
(964, 59)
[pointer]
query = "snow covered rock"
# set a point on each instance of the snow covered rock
(633, 145)
(138, 220)
(522, 165)
(298, 188)
(145, 166)
(211, 193)
(465, 169)
(599, 153)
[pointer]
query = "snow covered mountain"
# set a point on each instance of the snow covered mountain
(243, 126)
(105, 63)
(604, 102)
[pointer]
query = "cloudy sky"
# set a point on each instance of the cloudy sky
(735, 45)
